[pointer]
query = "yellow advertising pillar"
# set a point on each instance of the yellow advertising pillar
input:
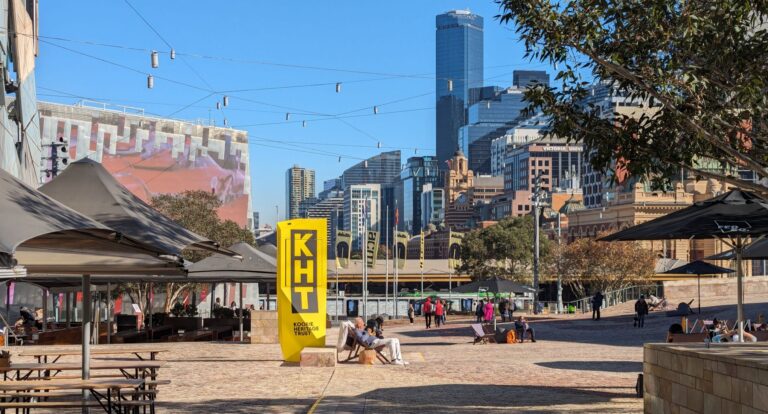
(301, 285)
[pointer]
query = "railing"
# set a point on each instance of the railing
(610, 298)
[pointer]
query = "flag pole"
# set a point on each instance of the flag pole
(386, 260)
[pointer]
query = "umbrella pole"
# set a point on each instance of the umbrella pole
(739, 249)
(698, 279)
(109, 313)
(86, 344)
(241, 311)
(68, 307)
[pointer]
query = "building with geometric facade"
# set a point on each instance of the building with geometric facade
(299, 187)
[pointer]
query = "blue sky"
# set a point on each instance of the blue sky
(368, 42)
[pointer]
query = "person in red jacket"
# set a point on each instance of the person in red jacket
(426, 309)
(438, 311)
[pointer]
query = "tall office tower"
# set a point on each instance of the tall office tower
(361, 209)
(299, 186)
(525, 78)
(459, 68)
(379, 169)
(417, 173)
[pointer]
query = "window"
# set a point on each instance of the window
(546, 163)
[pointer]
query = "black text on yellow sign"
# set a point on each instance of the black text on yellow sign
(302, 282)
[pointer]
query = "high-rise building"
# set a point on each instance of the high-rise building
(255, 224)
(459, 67)
(330, 208)
(361, 207)
(525, 78)
(432, 206)
(299, 186)
(487, 119)
(522, 133)
(417, 172)
(380, 169)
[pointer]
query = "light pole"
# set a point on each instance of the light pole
(537, 201)
(277, 215)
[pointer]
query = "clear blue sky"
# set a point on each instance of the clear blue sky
(392, 37)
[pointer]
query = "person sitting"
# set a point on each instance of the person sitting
(522, 327)
(731, 335)
(366, 336)
(375, 326)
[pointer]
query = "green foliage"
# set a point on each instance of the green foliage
(180, 310)
(196, 211)
(697, 67)
(504, 250)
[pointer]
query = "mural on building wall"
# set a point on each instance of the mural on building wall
(152, 156)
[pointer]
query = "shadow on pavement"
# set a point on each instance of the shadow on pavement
(607, 366)
(254, 405)
(473, 398)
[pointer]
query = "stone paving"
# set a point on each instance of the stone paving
(577, 366)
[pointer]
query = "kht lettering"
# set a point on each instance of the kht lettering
(303, 262)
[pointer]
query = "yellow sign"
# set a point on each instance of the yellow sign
(301, 285)
(454, 249)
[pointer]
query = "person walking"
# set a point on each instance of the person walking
(480, 311)
(438, 312)
(641, 309)
(411, 311)
(426, 309)
(445, 311)
(503, 310)
(488, 312)
(597, 303)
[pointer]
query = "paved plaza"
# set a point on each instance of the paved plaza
(577, 365)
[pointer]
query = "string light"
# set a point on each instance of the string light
(150, 82)
(338, 87)
(155, 60)
(375, 110)
(450, 85)
(173, 54)
(226, 100)
(287, 116)
(303, 124)
(218, 105)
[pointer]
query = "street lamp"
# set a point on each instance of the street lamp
(538, 199)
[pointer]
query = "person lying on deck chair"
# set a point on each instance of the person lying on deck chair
(367, 337)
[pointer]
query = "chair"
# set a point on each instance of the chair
(348, 342)
(482, 334)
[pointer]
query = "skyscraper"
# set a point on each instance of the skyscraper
(459, 68)
(525, 78)
(379, 169)
(417, 173)
(299, 186)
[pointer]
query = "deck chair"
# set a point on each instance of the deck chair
(482, 334)
(345, 342)
(354, 346)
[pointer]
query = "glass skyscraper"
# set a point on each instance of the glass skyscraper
(380, 169)
(418, 172)
(459, 67)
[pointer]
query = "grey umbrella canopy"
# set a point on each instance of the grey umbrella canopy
(33, 222)
(256, 266)
(88, 188)
(698, 268)
(733, 217)
(495, 285)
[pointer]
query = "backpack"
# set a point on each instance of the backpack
(427, 307)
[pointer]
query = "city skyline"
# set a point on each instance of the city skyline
(391, 46)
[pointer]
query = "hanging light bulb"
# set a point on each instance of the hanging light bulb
(450, 85)
(303, 124)
(155, 60)
(226, 100)
(150, 82)
(488, 104)
(339, 159)
(225, 122)
(365, 164)
(218, 105)
(415, 151)
(338, 87)
(287, 116)
(378, 144)
(173, 54)
(375, 110)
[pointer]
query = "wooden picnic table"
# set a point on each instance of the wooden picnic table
(107, 392)
(213, 333)
(42, 354)
(129, 369)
